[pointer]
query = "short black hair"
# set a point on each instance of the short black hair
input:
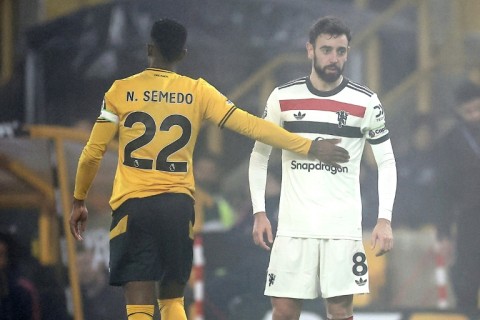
(467, 91)
(329, 25)
(169, 36)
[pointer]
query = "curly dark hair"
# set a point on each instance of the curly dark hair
(169, 37)
(329, 25)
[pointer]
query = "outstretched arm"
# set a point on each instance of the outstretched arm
(224, 113)
(269, 133)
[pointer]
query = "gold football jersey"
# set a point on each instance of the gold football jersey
(158, 115)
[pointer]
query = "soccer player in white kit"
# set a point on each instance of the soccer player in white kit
(318, 248)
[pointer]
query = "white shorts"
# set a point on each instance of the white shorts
(306, 268)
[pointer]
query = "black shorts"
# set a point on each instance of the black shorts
(151, 239)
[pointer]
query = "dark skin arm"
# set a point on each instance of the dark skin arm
(328, 152)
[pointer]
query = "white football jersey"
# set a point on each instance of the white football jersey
(318, 200)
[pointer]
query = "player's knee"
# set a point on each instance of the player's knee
(283, 312)
(339, 314)
(171, 290)
(340, 308)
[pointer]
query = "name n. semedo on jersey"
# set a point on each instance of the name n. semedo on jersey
(162, 96)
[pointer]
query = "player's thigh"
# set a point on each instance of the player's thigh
(127, 246)
(344, 268)
(151, 239)
(175, 239)
(293, 268)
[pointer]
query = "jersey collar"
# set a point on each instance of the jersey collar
(317, 92)
(161, 70)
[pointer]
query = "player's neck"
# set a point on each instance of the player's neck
(322, 85)
(161, 64)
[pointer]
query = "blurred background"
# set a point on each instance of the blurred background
(59, 57)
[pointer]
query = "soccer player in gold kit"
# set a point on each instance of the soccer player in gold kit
(157, 114)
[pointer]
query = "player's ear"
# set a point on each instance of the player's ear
(183, 54)
(150, 50)
(310, 49)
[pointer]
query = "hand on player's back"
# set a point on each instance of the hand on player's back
(328, 152)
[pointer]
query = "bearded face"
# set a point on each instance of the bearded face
(328, 55)
(329, 73)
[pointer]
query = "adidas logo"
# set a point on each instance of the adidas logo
(360, 282)
(299, 115)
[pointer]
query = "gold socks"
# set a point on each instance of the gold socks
(140, 312)
(172, 309)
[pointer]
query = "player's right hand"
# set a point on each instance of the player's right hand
(382, 236)
(78, 218)
(262, 225)
(327, 151)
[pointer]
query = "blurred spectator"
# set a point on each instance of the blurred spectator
(231, 279)
(416, 176)
(213, 211)
(213, 215)
(272, 199)
(458, 190)
(19, 299)
(100, 300)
